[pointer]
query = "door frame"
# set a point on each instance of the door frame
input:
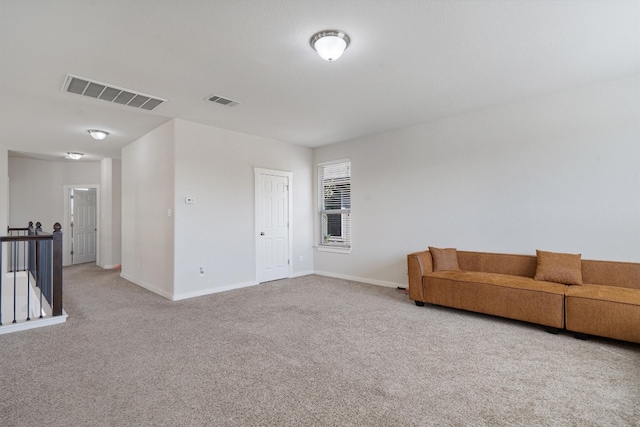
(66, 229)
(289, 175)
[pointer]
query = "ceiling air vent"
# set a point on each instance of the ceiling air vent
(223, 101)
(107, 92)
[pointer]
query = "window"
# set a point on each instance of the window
(334, 192)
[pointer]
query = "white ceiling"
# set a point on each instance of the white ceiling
(409, 62)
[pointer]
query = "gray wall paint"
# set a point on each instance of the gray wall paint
(147, 195)
(110, 215)
(36, 188)
(559, 173)
(4, 195)
(217, 233)
(216, 167)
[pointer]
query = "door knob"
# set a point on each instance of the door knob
(262, 233)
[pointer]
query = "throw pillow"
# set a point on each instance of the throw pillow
(559, 268)
(444, 259)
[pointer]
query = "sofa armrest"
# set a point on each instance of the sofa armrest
(418, 264)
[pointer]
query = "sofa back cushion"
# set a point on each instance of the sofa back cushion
(516, 265)
(607, 273)
(611, 273)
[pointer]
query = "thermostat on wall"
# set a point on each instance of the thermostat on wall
(190, 200)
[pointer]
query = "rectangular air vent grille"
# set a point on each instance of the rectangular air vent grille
(222, 101)
(107, 92)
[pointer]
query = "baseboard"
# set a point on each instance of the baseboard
(301, 273)
(109, 267)
(361, 279)
(216, 290)
(209, 291)
(147, 286)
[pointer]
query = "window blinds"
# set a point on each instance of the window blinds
(334, 182)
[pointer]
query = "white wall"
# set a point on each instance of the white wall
(116, 212)
(4, 197)
(36, 189)
(216, 167)
(559, 173)
(111, 225)
(147, 195)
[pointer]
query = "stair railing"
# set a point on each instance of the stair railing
(38, 255)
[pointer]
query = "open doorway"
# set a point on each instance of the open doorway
(80, 238)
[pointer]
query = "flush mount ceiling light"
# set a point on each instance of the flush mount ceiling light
(74, 156)
(330, 44)
(98, 134)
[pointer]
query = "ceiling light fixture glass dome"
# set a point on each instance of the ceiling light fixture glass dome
(98, 134)
(74, 156)
(330, 44)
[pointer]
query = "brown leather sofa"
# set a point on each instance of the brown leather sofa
(603, 300)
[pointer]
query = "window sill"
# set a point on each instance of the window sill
(335, 249)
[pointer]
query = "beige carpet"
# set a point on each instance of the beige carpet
(306, 351)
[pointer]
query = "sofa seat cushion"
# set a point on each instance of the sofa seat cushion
(606, 311)
(606, 293)
(513, 297)
(504, 280)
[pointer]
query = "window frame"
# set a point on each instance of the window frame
(344, 242)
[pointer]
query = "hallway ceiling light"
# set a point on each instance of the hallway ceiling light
(73, 156)
(330, 44)
(98, 134)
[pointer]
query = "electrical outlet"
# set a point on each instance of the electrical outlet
(201, 271)
(301, 258)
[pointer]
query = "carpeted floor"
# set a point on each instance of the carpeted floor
(305, 351)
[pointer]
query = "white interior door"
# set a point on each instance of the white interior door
(272, 226)
(83, 221)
